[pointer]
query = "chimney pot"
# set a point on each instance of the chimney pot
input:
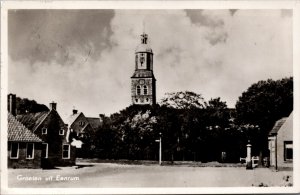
(52, 106)
(75, 111)
(12, 104)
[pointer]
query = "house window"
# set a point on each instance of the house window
(14, 151)
(145, 90)
(288, 150)
(81, 123)
(138, 90)
(66, 151)
(61, 132)
(44, 150)
(44, 130)
(29, 151)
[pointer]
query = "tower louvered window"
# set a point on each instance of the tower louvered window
(138, 90)
(145, 90)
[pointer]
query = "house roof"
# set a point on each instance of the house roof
(94, 122)
(277, 126)
(18, 132)
(72, 118)
(33, 120)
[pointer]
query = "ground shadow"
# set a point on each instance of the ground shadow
(83, 166)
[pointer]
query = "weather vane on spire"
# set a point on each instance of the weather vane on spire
(144, 36)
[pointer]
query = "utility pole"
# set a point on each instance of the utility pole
(276, 166)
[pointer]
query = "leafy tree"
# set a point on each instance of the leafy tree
(25, 105)
(217, 113)
(183, 100)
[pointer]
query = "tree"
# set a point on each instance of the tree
(183, 100)
(261, 105)
(25, 105)
(217, 113)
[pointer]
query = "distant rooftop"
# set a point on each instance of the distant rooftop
(277, 126)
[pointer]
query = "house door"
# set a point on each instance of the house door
(44, 150)
(45, 161)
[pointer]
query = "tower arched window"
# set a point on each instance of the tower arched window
(138, 90)
(145, 90)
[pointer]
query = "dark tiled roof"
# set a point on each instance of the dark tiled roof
(32, 120)
(143, 74)
(94, 122)
(277, 126)
(18, 132)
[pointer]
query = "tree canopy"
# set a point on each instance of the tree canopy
(25, 105)
(183, 100)
(265, 102)
(188, 124)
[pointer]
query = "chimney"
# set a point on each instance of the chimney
(52, 106)
(12, 105)
(75, 111)
(102, 117)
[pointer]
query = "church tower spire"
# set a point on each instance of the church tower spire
(143, 82)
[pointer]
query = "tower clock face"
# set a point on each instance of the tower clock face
(142, 82)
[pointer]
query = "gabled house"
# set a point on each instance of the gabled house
(95, 122)
(281, 143)
(24, 147)
(52, 130)
(79, 125)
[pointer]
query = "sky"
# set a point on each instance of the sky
(84, 59)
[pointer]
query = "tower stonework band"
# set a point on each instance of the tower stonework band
(143, 82)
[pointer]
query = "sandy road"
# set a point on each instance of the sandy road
(97, 175)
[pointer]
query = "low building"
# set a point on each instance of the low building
(24, 147)
(54, 133)
(281, 143)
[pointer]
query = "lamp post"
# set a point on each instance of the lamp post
(160, 149)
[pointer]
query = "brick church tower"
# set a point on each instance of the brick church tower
(143, 88)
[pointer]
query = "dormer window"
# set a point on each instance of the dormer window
(61, 132)
(44, 130)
